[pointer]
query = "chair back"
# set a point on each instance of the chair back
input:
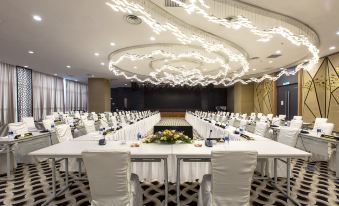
(18, 127)
(232, 173)
(109, 185)
(327, 128)
(47, 123)
(288, 136)
(103, 123)
(269, 116)
(63, 133)
(318, 122)
(261, 128)
(298, 117)
(276, 121)
(29, 121)
(296, 123)
(89, 126)
(282, 116)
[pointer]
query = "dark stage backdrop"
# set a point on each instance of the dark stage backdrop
(168, 99)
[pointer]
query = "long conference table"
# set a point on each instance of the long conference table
(178, 160)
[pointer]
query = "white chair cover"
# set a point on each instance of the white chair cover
(288, 136)
(269, 116)
(282, 116)
(104, 124)
(298, 117)
(89, 126)
(29, 122)
(110, 180)
(327, 128)
(47, 123)
(64, 133)
(261, 128)
(296, 123)
(276, 121)
(318, 122)
(230, 182)
(18, 127)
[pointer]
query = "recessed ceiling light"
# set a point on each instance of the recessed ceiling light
(55, 74)
(152, 38)
(337, 33)
(37, 18)
(31, 52)
(26, 66)
(281, 68)
(270, 62)
(125, 84)
(68, 66)
(278, 52)
(332, 48)
(112, 44)
(166, 60)
(102, 63)
(135, 67)
(254, 69)
(96, 54)
(76, 80)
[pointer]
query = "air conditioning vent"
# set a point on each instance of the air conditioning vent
(169, 3)
(253, 58)
(272, 56)
(132, 19)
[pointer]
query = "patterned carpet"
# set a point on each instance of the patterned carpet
(171, 121)
(312, 184)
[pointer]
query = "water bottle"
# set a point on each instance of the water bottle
(10, 134)
(52, 126)
(318, 132)
(100, 131)
(227, 138)
(285, 123)
(138, 136)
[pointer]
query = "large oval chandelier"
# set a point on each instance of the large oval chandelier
(226, 63)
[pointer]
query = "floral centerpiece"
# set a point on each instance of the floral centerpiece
(167, 137)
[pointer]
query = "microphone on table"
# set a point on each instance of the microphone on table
(208, 141)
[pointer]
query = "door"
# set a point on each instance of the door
(287, 100)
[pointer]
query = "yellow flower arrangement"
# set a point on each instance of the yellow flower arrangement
(168, 137)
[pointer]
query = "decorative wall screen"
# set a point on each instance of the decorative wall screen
(24, 92)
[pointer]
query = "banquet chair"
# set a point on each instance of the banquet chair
(296, 123)
(297, 117)
(259, 115)
(282, 117)
(243, 123)
(276, 121)
(317, 122)
(104, 124)
(113, 183)
(230, 180)
(89, 126)
(47, 124)
(287, 136)
(244, 116)
(64, 133)
(326, 128)
(29, 121)
(269, 116)
(18, 127)
(261, 128)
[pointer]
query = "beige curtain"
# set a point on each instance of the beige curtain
(76, 96)
(8, 102)
(48, 95)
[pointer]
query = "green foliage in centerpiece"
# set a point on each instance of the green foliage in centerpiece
(167, 137)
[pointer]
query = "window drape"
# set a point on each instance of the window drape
(76, 96)
(48, 95)
(8, 101)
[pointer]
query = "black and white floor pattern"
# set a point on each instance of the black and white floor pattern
(312, 184)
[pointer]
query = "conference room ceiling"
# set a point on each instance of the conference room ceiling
(77, 39)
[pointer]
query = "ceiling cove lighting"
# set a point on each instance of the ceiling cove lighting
(37, 18)
(131, 6)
